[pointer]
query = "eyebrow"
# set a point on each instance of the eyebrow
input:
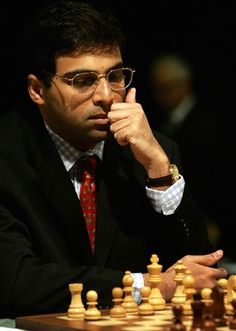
(76, 72)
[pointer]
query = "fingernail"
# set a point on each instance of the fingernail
(225, 271)
(219, 253)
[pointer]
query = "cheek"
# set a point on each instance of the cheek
(59, 105)
(63, 96)
(72, 103)
(68, 103)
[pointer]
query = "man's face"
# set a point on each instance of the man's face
(81, 119)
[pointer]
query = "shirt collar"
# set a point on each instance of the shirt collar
(69, 154)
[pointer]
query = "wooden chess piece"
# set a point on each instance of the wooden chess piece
(198, 310)
(76, 308)
(92, 313)
(232, 322)
(189, 290)
(177, 324)
(179, 296)
(206, 295)
(145, 308)
(208, 320)
(231, 288)
(117, 311)
(128, 302)
(154, 269)
(224, 283)
(218, 306)
(230, 294)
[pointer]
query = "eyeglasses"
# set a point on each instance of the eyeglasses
(86, 82)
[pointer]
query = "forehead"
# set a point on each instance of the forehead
(89, 61)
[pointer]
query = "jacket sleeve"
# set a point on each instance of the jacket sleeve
(30, 285)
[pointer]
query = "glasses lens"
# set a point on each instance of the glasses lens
(84, 83)
(120, 79)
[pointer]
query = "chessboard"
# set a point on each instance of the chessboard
(189, 310)
(161, 321)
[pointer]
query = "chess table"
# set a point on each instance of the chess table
(59, 322)
(161, 321)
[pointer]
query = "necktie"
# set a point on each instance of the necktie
(88, 199)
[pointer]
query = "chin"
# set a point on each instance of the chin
(102, 135)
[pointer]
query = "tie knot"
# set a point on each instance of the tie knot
(88, 166)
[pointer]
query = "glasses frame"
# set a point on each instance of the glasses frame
(70, 81)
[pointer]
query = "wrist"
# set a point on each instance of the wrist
(164, 181)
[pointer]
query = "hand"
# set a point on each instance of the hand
(201, 267)
(129, 125)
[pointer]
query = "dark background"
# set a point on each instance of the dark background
(202, 31)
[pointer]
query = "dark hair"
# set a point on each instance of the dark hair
(67, 27)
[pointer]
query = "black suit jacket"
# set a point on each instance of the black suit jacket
(44, 245)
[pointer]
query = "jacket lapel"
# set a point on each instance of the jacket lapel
(56, 185)
(106, 228)
(59, 190)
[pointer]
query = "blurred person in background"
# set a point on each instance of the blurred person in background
(179, 112)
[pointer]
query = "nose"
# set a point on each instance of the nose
(103, 94)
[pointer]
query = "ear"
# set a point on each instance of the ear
(35, 89)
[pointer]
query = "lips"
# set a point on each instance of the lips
(99, 116)
(100, 119)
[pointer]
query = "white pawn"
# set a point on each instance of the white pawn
(206, 295)
(224, 283)
(117, 311)
(76, 308)
(92, 313)
(129, 303)
(145, 308)
(188, 283)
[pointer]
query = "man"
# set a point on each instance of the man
(80, 85)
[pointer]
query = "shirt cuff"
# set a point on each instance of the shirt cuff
(166, 202)
(137, 285)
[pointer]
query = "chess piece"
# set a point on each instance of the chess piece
(189, 290)
(145, 308)
(179, 296)
(117, 311)
(206, 295)
(230, 294)
(129, 303)
(92, 313)
(232, 322)
(76, 308)
(208, 320)
(227, 288)
(218, 306)
(198, 310)
(177, 324)
(154, 269)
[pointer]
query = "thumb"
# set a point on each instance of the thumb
(210, 259)
(217, 255)
(206, 260)
(131, 95)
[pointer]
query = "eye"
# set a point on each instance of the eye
(116, 76)
(83, 80)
